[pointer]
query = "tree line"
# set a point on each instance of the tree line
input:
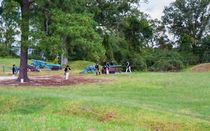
(106, 30)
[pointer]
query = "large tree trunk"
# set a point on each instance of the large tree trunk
(64, 59)
(23, 65)
(24, 41)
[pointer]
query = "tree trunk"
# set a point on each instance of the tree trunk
(24, 41)
(64, 59)
(23, 65)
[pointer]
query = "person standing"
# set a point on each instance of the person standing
(107, 68)
(13, 70)
(97, 69)
(111, 63)
(128, 67)
(67, 69)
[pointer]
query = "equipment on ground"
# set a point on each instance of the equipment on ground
(112, 69)
(89, 68)
(32, 68)
(41, 64)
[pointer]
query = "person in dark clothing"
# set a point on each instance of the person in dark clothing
(67, 69)
(104, 68)
(13, 69)
(111, 63)
(97, 69)
(128, 66)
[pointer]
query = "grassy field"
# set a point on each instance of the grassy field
(137, 101)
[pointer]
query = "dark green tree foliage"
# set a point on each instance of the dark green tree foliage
(188, 20)
(105, 30)
(136, 32)
(205, 49)
(70, 30)
(125, 30)
(160, 38)
(162, 60)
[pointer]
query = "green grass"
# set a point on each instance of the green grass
(137, 101)
(80, 65)
(9, 62)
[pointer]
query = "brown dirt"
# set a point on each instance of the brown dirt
(53, 81)
(202, 68)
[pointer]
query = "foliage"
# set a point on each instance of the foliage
(107, 30)
(167, 65)
(204, 49)
(188, 20)
(189, 58)
(162, 60)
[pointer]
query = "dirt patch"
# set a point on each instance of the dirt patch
(202, 68)
(53, 81)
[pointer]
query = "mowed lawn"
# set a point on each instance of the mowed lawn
(137, 101)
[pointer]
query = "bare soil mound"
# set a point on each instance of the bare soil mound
(53, 81)
(202, 68)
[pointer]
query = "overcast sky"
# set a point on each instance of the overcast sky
(155, 7)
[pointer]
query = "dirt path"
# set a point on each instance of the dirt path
(7, 77)
(51, 80)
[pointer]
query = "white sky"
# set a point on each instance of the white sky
(155, 7)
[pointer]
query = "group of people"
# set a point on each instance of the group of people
(106, 67)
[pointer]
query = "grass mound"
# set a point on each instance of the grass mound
(80, 64)
(201, 68)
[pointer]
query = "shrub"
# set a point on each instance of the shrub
(190, 59)
(138, 63)
(167, 65)
(162, 60)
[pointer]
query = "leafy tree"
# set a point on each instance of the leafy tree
(160, 38)
(52, 26)
(19, 12)
(188, 20)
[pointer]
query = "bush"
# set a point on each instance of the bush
(138, 63)
(167, 65)
(190, 59)
(162, 60)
